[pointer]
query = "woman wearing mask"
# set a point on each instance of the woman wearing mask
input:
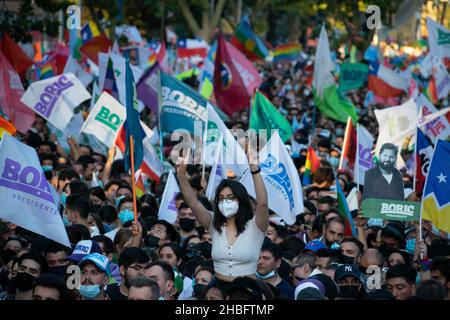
(171, 254)
(237, 232)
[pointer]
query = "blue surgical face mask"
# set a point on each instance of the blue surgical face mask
(335, 246)
(333, 161)
(90, 292)
(63, 198)
(66, 221)
(118, 199)
(267, 276)
(126, 215)
(410, 245)
(47, 168)
(111, 226)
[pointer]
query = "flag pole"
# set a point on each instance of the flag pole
(356, 174)
(133, 182)
(161, 133)
(415, 162)
(344, 144)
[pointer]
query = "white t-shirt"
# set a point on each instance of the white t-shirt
(111, 234)
(241, 258)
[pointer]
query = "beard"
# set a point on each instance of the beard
(386, 166)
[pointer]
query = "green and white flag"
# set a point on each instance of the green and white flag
(438, 39)
(330, 101)
(265, 116)
(105, 120)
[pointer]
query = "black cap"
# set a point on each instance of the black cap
(345, 270)
(380, 294)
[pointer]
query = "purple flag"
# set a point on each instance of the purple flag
(147, 88)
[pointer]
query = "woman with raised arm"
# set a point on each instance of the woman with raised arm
(237, 233)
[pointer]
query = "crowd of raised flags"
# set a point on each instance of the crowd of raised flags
(413, 101)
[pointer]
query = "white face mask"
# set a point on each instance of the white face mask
(228, 209)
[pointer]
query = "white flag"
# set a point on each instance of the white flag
(95, 95)
(151, 165)
(73, 66)
(439, 127)
(119, 64)
(56, 98)
(441, 78)
(364, 156)
(216, 174)
(105, 120)
(438, 39)
(234, 158)
(395, 124)
(26, 196)
(168, 210)
(352, 199)
(284, 189)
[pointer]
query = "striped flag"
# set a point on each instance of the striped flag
(311, 166)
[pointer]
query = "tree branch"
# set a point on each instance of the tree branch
(217, 13)
(192, 23)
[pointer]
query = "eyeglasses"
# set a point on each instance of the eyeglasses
(138, 268)
(228, 198)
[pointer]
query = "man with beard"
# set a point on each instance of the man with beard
(95, 275)
(384, 181)
(132, 263)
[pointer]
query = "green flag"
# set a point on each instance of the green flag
(352, 76)
(265, 116)
(329, 100)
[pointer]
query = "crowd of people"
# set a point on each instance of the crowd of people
(232, 248)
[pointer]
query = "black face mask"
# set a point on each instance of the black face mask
(350, 292)
(59, 271)
(24, 281)
(200, 291)
(205, 248)
(152, 241)
(187, 224)
(4, 281)
(7, 255)
(349, 260)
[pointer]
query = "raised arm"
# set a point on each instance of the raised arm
(107, 170)
(262, 207)
(202, 214)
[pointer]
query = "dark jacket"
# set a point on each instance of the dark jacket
(376, 186)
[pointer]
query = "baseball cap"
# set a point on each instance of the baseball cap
(98, 259)
(309, 283)
(315, 245)
(331, 289)
(310, 294)
(345, 270)
(83, 248)
(247, 285)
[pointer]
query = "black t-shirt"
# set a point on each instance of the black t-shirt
(113, 292)
(287, 291)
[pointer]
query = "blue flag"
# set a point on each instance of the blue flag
(181, 106)
(132, 123)
(436, 197)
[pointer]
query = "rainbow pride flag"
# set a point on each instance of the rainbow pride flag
(47, 70)
(311, 166)
(431, 91)
(287, 51)
(6, 126)
(140, 189)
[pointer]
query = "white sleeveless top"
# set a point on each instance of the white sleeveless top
(241, 258)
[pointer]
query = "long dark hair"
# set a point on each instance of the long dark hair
(245, 211)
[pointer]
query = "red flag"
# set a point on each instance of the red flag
(95, 45)
(163, 58)
(15, 55)
(11, 90)
(235, 78)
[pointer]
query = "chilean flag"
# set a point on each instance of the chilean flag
(385, 82)
(192, 47)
